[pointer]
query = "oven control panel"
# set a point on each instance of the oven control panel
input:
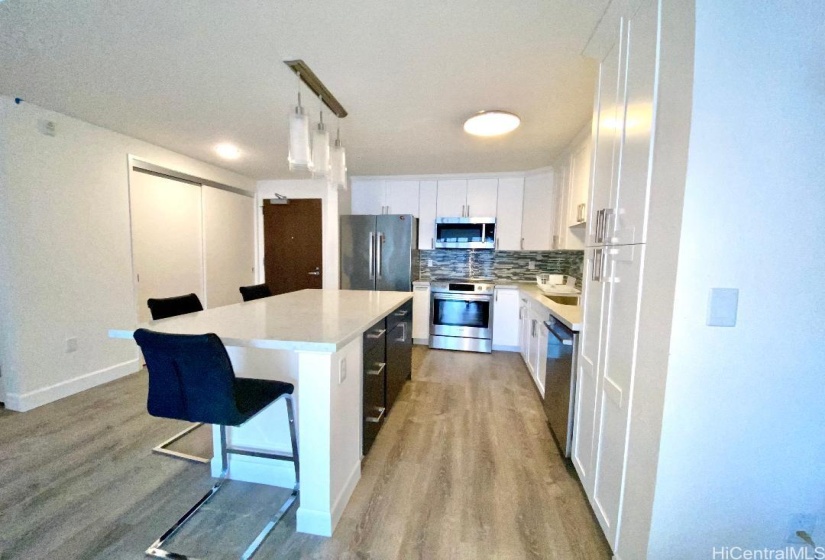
(462, 287)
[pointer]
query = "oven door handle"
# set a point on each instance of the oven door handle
(462, 297)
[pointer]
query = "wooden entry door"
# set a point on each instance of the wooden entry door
(293, 245)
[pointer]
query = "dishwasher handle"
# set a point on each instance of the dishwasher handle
(565, 341)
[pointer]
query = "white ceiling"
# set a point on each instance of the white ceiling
(188, 74)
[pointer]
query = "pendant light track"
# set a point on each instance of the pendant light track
(317, 86)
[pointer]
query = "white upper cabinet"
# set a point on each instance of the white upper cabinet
(579, 183)
(367, 197)
(401, 197)
(427, 191)
(537, 212)
(482, 198)
(525, 209)
(624, 134)
(572, 181)
(629, 197)
(467, 198)
(385, 197)
(452, 198)
(508, 218)
(607, 117)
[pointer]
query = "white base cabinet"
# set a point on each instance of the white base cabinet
(421, 314)
(506, 321)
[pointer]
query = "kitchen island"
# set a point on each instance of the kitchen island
(314, 340)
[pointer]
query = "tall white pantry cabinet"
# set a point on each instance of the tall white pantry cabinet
(623, 127)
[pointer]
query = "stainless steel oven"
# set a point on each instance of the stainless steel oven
(461, 316)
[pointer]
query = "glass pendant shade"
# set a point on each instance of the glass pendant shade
(299, 152)
(320, 151)
(338, 166)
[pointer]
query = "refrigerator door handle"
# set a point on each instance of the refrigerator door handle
(372, 255)
(379, 240)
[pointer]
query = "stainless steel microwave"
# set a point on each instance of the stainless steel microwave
(465, 233)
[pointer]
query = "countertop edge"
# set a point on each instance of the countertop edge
(551, 307)
(292, 345)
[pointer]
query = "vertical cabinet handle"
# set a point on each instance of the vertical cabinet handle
(468, 210)
(372, 256)
(432, 242)
(521, 246)
(607, 213)
(379, 241)
(496, 246)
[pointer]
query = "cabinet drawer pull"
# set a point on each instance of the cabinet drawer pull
(374, 335)
(377, 371)
(401, 313)
(403, 333)
(376, 419)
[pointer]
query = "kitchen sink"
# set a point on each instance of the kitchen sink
(564, 300)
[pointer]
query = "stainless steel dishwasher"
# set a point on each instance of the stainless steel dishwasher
(560, 382)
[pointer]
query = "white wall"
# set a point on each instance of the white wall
(66, 253)
(743, 436)
(305, 188)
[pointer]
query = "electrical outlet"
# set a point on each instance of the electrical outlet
(429, 262)
(71, 345)
(47, 127)
(531, 265)
(804, 523)
(342, 370)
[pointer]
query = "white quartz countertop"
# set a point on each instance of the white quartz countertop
(309, 320)
(569, 315)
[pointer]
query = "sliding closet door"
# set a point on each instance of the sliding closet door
(229, 245)
(167, 240)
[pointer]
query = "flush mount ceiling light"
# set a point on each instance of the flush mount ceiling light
(491, 123)
(228, 151)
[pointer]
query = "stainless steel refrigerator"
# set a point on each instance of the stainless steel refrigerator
(377, 252)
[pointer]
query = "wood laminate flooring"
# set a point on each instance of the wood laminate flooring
(464, 468)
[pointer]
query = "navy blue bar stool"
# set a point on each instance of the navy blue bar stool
(163, 308)
(258, 291)
(191, 378)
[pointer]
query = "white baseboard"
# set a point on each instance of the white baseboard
(27, 401)
(500, 348)
(313, 522)
(346, 493)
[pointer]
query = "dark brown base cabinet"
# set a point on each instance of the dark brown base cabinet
(387, 366)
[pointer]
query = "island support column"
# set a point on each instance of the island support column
(328, 409)
(329, 435)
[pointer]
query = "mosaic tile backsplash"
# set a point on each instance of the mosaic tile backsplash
(497, 265)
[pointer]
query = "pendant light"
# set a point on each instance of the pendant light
(338, 162)
(299, 154)
(320, 147)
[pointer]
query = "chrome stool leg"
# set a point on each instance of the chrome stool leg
(157, 551)
(292, 497)
(161, 448)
